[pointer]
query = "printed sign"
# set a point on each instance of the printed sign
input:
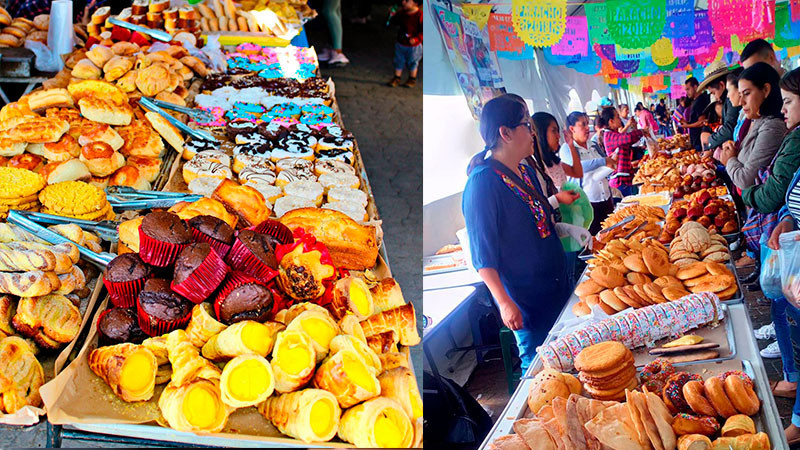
(476, 43)
(635, 24)
(539, 23)
(575, 40)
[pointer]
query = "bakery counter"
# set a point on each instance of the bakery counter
(450, 279)
(746, 348)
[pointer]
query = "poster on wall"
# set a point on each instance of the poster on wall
(484, 61)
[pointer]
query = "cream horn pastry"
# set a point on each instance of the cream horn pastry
(202, 326)
(350, 325)
(400, 385)
(298, 308)
(390, 360)
(195, 406)
(348, 378)
(158, 346)
(377, 423)
(128, 369)
(351, 295)
(319, 327)
(311, 415)
(242, 338)
(359, 347)
(387, 295)
(401, 319)
(293, 360)
(247, 380)
(187, 364)
(384, 342)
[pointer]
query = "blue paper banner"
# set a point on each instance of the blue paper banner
(680, 19)
(589, 65)
(700, 42)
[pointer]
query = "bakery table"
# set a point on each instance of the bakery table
(450, 279)
(747, 350)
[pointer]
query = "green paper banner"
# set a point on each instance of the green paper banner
(596, 16)
(635, 24)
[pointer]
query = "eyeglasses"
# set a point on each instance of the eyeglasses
(527, 125)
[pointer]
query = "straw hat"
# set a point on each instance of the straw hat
(711, 73)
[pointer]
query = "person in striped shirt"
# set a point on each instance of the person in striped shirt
(622, 145)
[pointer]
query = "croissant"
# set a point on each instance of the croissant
(187, 364)
(128, 369)
(758, 441)
(116, 67)
(247, 380)
(384, 342)
(293, 360)
(242, 338)
(351, 294)
(387, 295)
(400, 385)
(347, 342)
(196, 406)
(153, 79)
(346, 376)
(319, 327)
(350, 325)
(21, 375)
(391, 360)
(380, 422)
(401, 319)
(311, 415)
(202, 326)
(51, 320)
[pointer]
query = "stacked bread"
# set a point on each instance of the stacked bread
(155, 14)
(693, 242)
(606, 370)
(76, 199)
(19, 189)
(652, 214)
(223, 15)
(20, 29)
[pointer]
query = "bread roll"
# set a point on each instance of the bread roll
(101, 159)
(71, 170)
(129, 176)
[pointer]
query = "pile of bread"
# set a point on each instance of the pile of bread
(652, 214)
(86, 132)
(676, 142)
(16, 31)
(663, 172)
(713, 213)
(693, 242)
(223, 15)
(156, 14)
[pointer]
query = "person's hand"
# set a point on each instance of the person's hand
(567, 197)
(511, 315)
(568, 137)
(729, 145)
(784, 226)
(611, 162)
(707, 153)
(413, 41)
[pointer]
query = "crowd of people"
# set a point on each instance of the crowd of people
(517, 189)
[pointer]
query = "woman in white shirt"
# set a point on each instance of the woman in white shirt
(596, 167)
(546, 152)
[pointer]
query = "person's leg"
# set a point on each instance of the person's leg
(779, 310)
(526, 343)
(413, 56)
(399, 62)
(332, 12)
(793, 431)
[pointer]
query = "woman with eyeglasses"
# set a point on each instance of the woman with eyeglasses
(511, 226)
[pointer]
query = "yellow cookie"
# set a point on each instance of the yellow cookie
(73, 198)
(5, 202)
(24, 206)
(95, 215)
(16, 183)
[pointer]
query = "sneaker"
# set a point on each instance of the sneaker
(771, 351)
(766, 332)
(324, 55)
(394, 82)
(410, 83)
(338, 59)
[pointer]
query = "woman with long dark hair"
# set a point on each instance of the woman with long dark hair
(622, 143)
(546, 149)
(511, 227)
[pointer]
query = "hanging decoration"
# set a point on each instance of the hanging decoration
(623, 54)
(575, 40)
(731, 17)
(559, 60)
(787, 29)
(794, 9)
(661, 52)
(763, 20)
(635, 24)
(539, 23)
(504, 41)
(606, 51)
(680, 19)
(700, 42)
(596, 18)
(589, 65)
(626, 66)
(477, 13)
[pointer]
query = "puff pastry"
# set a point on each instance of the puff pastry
(153, 79)
(202, 326)
(51, 320)
(97, 89)
(400, 385)
(128, 369)
(348, 342)
(387, 295)
(99, 55)
(158, 346)
(196, 406)
(293, 360)
(377, 423)
(319, 327)
(401, 319)
(242, 338)
(384, 342)
(21, 375)
(187, 364)
(348, 378)
(246, 202)
(116, 67)
(350, 325)
(311, 415)
(298, 308)
(247, 380)
(7, 311)
(71, 281)
(391, 360)
(351, 295)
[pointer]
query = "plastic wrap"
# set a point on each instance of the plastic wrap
(789, 256)
(60, 35)
(770, 278)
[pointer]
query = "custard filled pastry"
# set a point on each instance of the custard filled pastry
(158, 346)
(242, 338)
(319, 327)
(390, 360)
(311, 415)
(247, 380)
(202, 326)
(350, 325)
(387, 295)
(401, 319)
(128, 369)
(348, 378)
(377, 423)
(359, 347)
(298, 308)
(196, 406)
(351, 294)
(21, 375)
(400, 384)
(293, 360)
(384, 342)
(187, 364)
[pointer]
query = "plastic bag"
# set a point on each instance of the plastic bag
(46, 59)
(213, 50)
(579, 213)
(789, 256)
(770, 277)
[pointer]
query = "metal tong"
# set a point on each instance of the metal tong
(638, 227)
(156, 34)
(18, 218)
(195, 134)
(125, 198)
(622, 222)
(198, 115)
(105, 229)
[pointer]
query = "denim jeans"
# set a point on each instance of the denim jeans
(779, 310)
(793, 315)
(527, 341)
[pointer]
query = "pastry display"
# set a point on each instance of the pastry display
(606, 370)
(650, 214)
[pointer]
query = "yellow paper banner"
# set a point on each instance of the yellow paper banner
(661, 51)
(477, 13)
(793, 51)
(539, 23)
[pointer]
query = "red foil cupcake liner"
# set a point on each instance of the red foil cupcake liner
(157, 327)
(158, 253)
(205, 279)
(233, 281)
(220, 247)
(241, 259)
(124, 294)
(275, 229)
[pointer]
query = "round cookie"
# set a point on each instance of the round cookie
(602, 356)
(15, 183)
(74, 198)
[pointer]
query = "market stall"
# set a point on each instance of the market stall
(193, 229)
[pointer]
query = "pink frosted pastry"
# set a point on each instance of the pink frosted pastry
(285, 121)
(248, 48)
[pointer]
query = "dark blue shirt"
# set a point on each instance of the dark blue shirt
(503, 236)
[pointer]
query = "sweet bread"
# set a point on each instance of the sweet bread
(400, 384)
(715, 392)
(99, 55)
(101, 159)
(166, 130)
(98, 89)
(103, 133)
(141, 140)
(86, 70)
(694, 442)
(242, 338)
(148, 167)
(293, 360)
(740, 392)
(347, 377)
(116, 67)
(351, 295)
(125, 48)
(153, 79)
(311, 415)
(128, 369)
(386, 294)
(247, 380)
(319, 326)
(384, 342)
(39, 101)
(71, 281)
(738, 425)
(400, 319)
(51, 320)
(379, 422)
(28, 284)
(129, 176)
(105, 111)
(34, 130)
(247, 203)
(758, 441)
(21, 375)
(71, 170)
(195, 406)
(65, 149)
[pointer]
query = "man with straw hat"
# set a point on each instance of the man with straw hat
(714, 81)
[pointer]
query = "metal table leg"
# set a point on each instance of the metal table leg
(53, 435)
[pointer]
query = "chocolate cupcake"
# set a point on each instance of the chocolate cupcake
(213, 230)
(118, 325)
(243, 297)
(160, 309)
(198, 272)
(254, 254)
(162, 236)
(124, 277)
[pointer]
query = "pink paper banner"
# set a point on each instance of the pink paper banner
(729, 17)
(677, 91)
(794, 9)
(575, 40)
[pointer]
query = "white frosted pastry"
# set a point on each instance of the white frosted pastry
(332, 166)
(294, 163)
(214, 155)
(347, 194)
(307, 189)
(270, 192)
(257, 174)
(204, 186)
(288, 203)
(205, 168)
(353, 210)
(329, 180)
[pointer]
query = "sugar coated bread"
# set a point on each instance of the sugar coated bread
(247, 203)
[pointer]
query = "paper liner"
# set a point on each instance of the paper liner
(123, 294)
(220, 247)
(157, 327)
(241, 259)
(204, 280)
(275, 229)
(233, 281)
(158, 253)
